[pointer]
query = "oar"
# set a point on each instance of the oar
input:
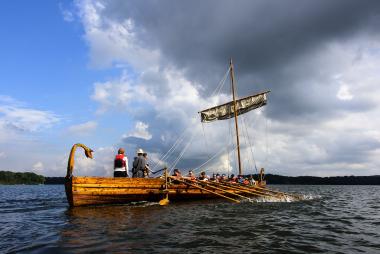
(283, 194)
(263, 193)
(276, 192)
(249, 190)
(226, 191)
(252, 192)
(165, 201)
(206, 190)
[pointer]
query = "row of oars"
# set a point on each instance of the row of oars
(231, 191)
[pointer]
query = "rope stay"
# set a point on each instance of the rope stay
(250, 160)
(182, 152)
(221, 83)
(176, 144)
(249, 143)
(181, 138)
(171, 150)
(216, 92)
(196, 169)
(266, 140)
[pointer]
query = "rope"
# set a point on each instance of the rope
(221, 82)
(181, 154)
(229, 142)
(216, 154)
(266, 140)
(250, 144)
(174, 146)
(217, 92)
(246, 159)
(168, 153)
(204, 138)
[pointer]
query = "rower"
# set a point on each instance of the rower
(191, 175)
(203, 176)
(177, 173)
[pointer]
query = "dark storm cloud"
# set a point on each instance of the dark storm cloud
(283, 46)
(257, 33)
(263, 37)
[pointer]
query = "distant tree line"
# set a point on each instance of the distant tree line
(8, 177)
(54, 180)
(314, 180)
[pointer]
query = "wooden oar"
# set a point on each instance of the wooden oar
(276, 192)
(276, 195)
(226, 191)
(165, 201)
(252, 192)
(206, 190)
(258, 192)
(284, 194)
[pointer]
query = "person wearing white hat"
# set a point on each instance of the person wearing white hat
(139, 164)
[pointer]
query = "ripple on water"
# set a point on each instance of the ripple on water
(327, 219)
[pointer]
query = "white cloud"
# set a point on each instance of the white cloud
(83, 128)
(344, 93)
(150, 85)
(26, 119)
(38, 167)
(3, 155)
(112, 42)
(67, 14)
(100, 165)
(140, 131)
(16, 119)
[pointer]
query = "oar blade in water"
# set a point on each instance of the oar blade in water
(164, 201)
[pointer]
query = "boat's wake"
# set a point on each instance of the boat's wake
(285, 198)
(143, 204)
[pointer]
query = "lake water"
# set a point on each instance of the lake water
(331, 219)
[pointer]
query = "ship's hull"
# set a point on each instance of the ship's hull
(81, 191)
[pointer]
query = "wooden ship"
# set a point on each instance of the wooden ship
(81, 191)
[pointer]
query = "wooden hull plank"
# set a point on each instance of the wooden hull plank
(81, 191)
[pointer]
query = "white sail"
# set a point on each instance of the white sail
(226, 111)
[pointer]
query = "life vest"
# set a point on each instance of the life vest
(119, 161)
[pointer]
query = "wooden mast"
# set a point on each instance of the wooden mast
(235, 114)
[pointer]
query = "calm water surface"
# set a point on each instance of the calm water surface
(331, 219)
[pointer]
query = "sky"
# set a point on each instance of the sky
(134, 74)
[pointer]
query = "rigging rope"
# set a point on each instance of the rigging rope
(221, 83)
(250, 144)
(183, 151)
(171, 150)
(217, 92)
(174, 146)
(266, 140)
(216, 154)
(204, 138)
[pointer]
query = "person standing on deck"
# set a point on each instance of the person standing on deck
(139, 164)
(146, 169)
(120, 164)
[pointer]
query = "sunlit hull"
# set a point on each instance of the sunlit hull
(82, 191)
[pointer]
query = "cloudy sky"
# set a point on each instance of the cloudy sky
(133, 74)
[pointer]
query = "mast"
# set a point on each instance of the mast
(235, 114)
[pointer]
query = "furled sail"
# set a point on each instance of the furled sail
(226, 111)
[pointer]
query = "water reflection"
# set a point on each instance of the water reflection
(344, 219)
(103, 228)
